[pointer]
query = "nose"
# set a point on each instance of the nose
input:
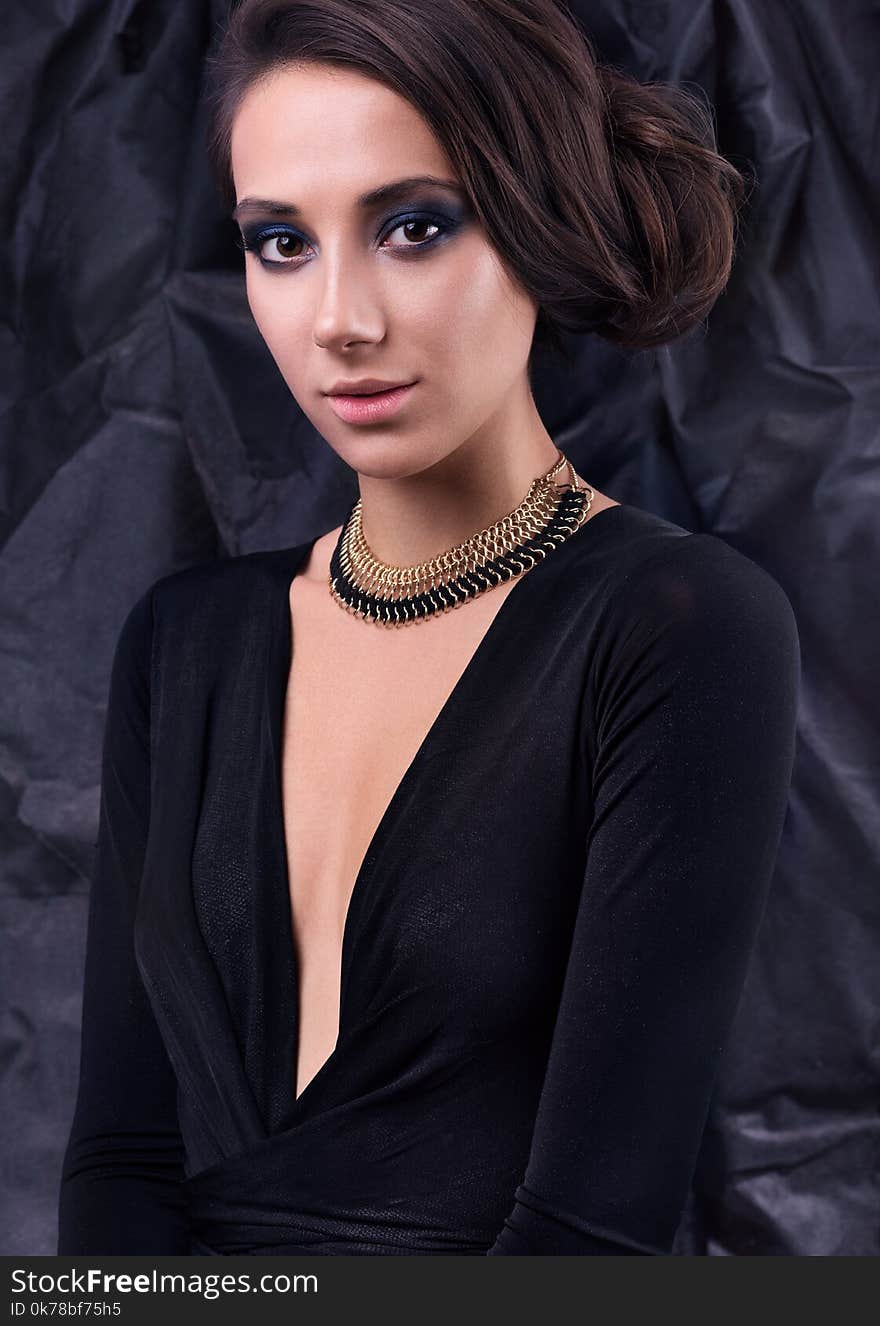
(348, 308)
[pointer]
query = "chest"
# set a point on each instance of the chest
(423, 835)
(360, 702)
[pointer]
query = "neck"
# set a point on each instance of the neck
(410, 520)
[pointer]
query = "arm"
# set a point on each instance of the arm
(694, 691)
(120, 1185)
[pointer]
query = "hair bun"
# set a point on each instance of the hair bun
(675, 228)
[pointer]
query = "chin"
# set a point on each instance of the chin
(391, 457)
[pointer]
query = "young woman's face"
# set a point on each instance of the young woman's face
(405, 289)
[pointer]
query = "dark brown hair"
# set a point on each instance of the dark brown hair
(604, 197)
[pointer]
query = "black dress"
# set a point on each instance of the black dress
(545, 946)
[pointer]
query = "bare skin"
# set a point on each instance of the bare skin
(408, 290)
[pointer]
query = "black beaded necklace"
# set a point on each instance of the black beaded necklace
(398, 595)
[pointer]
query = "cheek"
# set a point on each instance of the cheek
(482, 323)
(462, 296)
(280, 318)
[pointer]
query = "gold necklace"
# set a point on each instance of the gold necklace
(398, 595)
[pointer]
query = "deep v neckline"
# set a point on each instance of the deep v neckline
(278, 675)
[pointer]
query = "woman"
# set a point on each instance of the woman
(427, 939)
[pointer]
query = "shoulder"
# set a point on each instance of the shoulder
(222, 589)
(696, 651)
(218, 577)
(679, 594)
(651, 556)
(204, 604)
(699, 571)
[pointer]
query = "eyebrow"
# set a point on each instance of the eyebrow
(383, 193)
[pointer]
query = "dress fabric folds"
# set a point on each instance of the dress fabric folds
(545, 946)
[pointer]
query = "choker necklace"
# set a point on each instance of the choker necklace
(397, 595)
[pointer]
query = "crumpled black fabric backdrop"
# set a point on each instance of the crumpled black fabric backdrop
(146, 428)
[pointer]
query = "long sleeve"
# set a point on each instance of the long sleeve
(120, 1185)
(694, 689)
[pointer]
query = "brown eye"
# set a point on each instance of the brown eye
(283, 246)
(416, 225)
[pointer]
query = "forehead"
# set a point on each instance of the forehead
(309, 131)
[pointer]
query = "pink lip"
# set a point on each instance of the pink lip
(370, 409)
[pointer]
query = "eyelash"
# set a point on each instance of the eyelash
(253, 240)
